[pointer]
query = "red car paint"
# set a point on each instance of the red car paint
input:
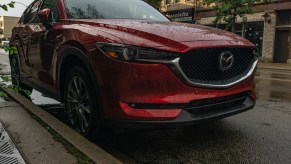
(121, 83)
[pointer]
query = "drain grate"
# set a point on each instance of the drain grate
(9, 160)
(6, 148)
(8, 151)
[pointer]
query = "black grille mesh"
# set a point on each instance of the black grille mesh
(214, 104)
(202, 66)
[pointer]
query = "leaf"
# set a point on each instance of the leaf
(154, 3)
(16, 89)
(6, 48)
(11, 5)
(3, 94)
(4, 7)
(5, 79)
(10, 52)
(26, 92)
(11, 49)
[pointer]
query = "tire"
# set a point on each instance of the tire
(81, 102)
(15, 75)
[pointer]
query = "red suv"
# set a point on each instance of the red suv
(123, 63)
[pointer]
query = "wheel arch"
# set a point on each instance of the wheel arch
(73, 56)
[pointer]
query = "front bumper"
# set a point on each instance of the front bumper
(125, 83)
(185, 118)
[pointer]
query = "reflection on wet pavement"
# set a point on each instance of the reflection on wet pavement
(273, 85)
(39, 99)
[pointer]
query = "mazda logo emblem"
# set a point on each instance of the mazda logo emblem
(226, 60)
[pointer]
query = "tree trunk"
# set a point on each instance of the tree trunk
(233, 28)
(233, 21)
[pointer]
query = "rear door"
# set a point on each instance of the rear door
(23, 41)
(21, 38)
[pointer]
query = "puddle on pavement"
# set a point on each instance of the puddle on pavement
(40, 99)
(273, 95)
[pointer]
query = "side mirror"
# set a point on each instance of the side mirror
(43, 16)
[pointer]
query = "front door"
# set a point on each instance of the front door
(282, 43)
(42, 45)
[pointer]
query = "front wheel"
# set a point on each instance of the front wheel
(80, 102)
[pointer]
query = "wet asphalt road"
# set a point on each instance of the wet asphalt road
(261, 135)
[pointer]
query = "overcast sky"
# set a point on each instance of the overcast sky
(19, 7)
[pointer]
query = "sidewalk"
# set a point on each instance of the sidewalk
(44, 139)
(34, 141)
(279, 66)
(8, 151)
(4, 63)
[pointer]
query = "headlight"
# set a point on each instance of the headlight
(131, 53)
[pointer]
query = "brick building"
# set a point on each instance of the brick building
(269, 28)
(6, 25)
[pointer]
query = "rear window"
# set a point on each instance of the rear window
(112, 9)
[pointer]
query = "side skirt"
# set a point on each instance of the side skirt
(41, 87)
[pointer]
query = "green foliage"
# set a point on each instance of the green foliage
(229, 10)
(5, 79)
(2, 86)
(2, 94)
(10, 50)
(155, 3)
(5, 6)
(16, 89)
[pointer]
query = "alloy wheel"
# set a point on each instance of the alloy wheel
(78, 104)
(15, 72)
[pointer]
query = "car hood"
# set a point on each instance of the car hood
(161, 34)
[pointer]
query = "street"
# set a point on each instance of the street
(261, 135)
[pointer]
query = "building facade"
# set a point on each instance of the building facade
(269, 28)
(6, 25)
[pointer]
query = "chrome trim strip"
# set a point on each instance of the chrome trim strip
(175, 66)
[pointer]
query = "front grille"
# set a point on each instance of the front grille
(202, 66)
(205, 106)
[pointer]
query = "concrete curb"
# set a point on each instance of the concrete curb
(91, 150)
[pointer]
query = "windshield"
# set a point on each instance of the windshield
(112, 9)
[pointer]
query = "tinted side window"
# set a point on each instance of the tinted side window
(54, 12)
(22, 19)
(31, 16)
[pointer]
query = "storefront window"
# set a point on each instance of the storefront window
(253, 31)
(167, 2)
(284, 17)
